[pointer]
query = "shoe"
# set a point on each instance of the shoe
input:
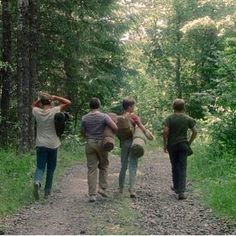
(102, 192)
(37, 186)
(92, 198)
(120, 190)
(47, 194)
(181, 196)
(172, 188)
(132, 193)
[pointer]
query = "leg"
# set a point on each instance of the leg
(172, 155)
(92, 164)
(133, 165)
(40, 164)
(51, 166)
(125, 145)
(181, 167)
(40, 167)
(103, 169)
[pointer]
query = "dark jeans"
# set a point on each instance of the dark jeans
(45, 156)
(178, 159)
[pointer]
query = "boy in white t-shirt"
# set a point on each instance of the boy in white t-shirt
(47, 141)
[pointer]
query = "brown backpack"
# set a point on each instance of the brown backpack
(125, 128)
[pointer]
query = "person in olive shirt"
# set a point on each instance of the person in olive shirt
(176, 143)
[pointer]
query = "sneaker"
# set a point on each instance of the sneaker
(92, 198)
(102, 192)
(132, 193)
(36, 190)
(181, 196)
(47, 194)
(120, 190)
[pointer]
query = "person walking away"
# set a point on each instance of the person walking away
(176, 143)
(47, 141)
(92, 127)
(128, 159)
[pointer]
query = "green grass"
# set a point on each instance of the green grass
(214, 176)
(16, 176)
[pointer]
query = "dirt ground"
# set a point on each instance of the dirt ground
(155, 210)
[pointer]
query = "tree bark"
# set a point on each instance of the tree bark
(33, 50)
(5, 71)
(23, 76)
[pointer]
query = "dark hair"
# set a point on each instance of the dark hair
(94, 103)
(45, 101)
(179, 104)
(127, 103)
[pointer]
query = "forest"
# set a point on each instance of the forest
(151, 50)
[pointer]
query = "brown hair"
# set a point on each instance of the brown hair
(45, 100)
(127, 102)
(179, 104)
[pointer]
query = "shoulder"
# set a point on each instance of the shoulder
(36, 110)
(56, 109)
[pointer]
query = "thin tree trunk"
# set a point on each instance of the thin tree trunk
(23, 76)
(178, 61)
(5, 71)
(33, 50)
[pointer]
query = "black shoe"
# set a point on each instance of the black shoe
(47, 194)
(37, 186)
(132, 193)
(92, 198)
(181, 196)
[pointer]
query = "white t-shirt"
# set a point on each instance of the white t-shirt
(46, 133)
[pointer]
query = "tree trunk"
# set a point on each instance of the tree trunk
(33, 50)
(178, 59)
(5, 71)
(23, 76)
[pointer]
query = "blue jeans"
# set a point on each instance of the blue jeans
(45, 156)
(127, 159)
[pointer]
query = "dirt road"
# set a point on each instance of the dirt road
(155, 210)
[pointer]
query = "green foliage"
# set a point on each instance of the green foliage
(214, 174)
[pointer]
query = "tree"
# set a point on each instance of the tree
(5, 71)
(26, 70)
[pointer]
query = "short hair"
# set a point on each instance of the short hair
(179, 104)
(127, 103)
(45, 100)
(94, 103)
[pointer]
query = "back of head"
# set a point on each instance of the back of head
(94, 103)
(126, 103)
(179, 104)
(45, 100)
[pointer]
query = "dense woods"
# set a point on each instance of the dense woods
(147, 49)
(152, 50)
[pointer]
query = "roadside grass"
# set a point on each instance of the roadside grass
(16, 176)
(215, 176)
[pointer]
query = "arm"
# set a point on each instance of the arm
(193, 136)
(147, 132)
(36, 103)
(165, 138)
(82, 129)
(113, 126)
(64, 102)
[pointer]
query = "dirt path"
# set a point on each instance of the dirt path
(154, 211)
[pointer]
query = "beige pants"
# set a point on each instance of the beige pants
(97, 158)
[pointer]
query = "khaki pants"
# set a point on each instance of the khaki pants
(97, 158)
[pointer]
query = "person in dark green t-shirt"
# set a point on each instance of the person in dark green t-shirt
(176, 143)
